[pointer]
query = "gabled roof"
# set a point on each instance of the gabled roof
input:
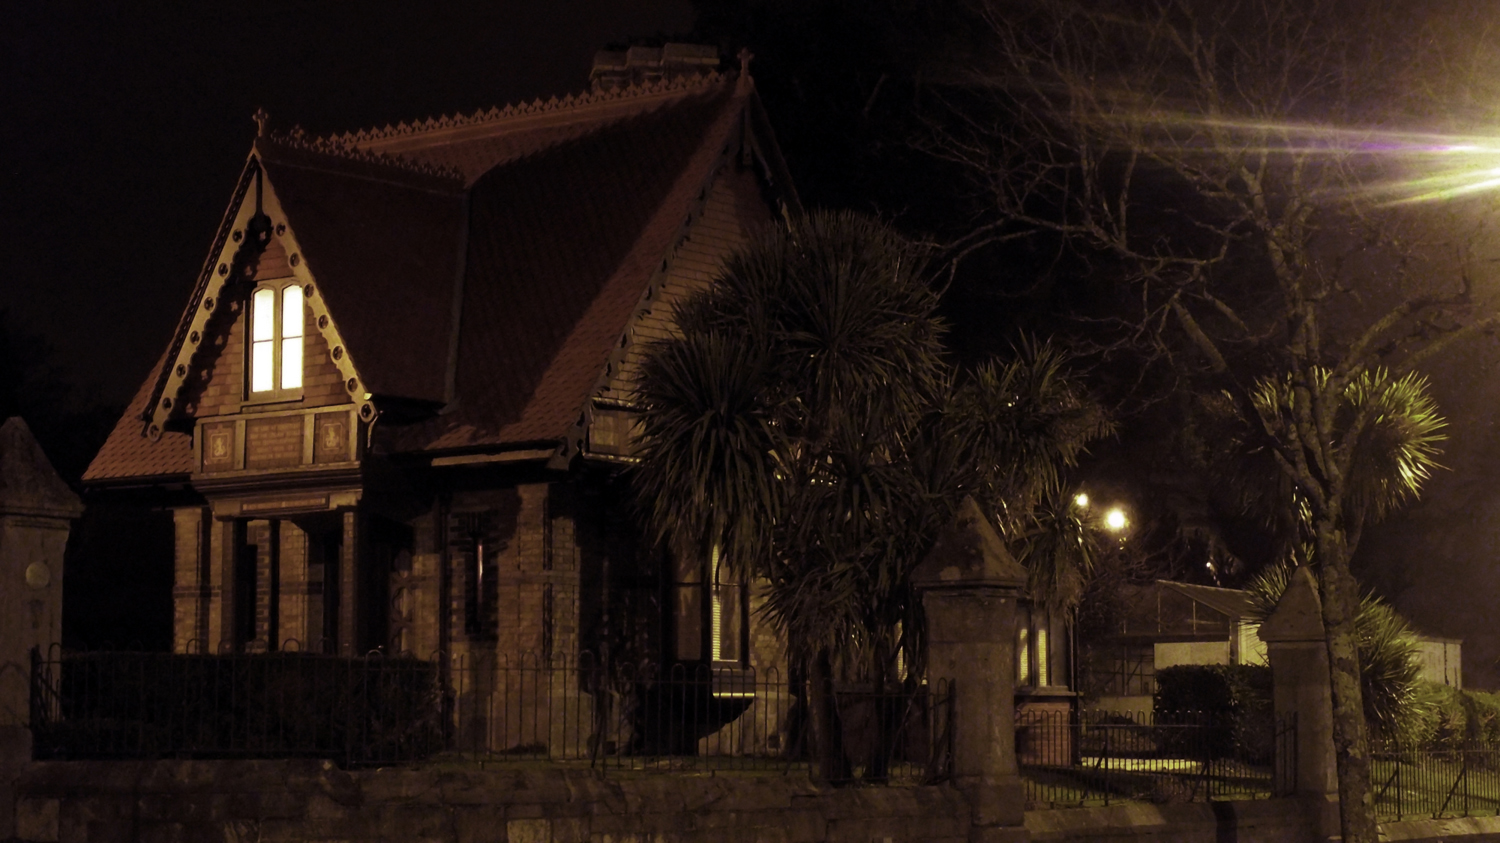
(486, 264)
(386, 251)
(1233, 603)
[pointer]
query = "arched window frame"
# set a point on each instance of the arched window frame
(275, 345)
(710, 607)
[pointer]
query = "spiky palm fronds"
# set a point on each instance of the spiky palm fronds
(806, 422)
(708, 447)
(1390, 425)
(1387, 646)
(1059, 552)
(1026, 420)
(1399, 445)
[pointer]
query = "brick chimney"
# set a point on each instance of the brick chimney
(615, 69)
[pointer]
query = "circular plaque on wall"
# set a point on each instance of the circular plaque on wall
(38, 575)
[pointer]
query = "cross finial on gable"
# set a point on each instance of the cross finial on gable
(262, 119)
(745, 56)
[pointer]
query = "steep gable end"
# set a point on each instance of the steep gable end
(261, 246)
(206, 370)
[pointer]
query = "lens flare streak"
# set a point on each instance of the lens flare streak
(1397, 167)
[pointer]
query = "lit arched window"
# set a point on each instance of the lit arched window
(275, 340)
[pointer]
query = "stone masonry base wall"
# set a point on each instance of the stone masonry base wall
(308, 801)
(233, 801)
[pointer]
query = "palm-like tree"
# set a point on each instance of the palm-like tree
(806, 424)
(1395, 432)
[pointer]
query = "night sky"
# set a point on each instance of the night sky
(125, 125)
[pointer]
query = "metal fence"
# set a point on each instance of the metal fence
(366, 710)
(1435, 781)
(699, 718)
(389, 710)
(1076, 758)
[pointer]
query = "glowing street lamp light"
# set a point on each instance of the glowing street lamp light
(1115, 520)
(1081, 500)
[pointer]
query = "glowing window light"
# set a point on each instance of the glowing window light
(276, 335)
(291, 337)
(718, 606)
(263, 341)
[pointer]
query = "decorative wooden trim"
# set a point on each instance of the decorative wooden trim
(227, 259)
(307, 450)
(575, 442)
(311, 297)
(519, 115)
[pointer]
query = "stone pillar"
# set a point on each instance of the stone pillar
(223, 549)
(292, 589)
(351, 614)
(36, 512)
(969, 584)
(1298, 652)
(190, 588)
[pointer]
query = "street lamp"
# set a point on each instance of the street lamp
(1115, 520)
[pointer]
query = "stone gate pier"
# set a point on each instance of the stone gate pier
(969, 585)
(36, 511)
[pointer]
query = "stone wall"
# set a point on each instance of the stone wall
(310, 801)
(62, 802)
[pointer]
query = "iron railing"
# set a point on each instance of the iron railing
(689, 718)
(363, 710)
(389, 710)
(1435, 781)
(1077, 758)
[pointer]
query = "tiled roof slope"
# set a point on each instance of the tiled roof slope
(386, 256)
(129, 454)
(562, 246)
(476, 144)
(557, 216)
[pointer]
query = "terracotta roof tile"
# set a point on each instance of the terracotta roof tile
(385, 255)
(127, 453)
(562, 246)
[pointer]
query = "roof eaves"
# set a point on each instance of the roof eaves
(720, 143)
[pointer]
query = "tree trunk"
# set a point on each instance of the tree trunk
(1350, 736)
(828, 733)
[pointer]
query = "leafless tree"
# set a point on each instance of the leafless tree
(1254, 174)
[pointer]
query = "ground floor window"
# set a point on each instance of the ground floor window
(708, 611)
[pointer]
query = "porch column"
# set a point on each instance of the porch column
(351, 613)
(292, 590)
(190, 587)
(223, 550)
(969, 584)
(1302, 688)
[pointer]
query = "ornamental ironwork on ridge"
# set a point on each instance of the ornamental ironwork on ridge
(297, 139)
(683, 83)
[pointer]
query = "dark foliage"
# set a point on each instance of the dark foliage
(1235, 700)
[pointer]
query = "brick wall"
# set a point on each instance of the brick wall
(190, 576)
(216, 383)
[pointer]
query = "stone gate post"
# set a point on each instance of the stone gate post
(1302, 687)
(969, 584)
(36, 511)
